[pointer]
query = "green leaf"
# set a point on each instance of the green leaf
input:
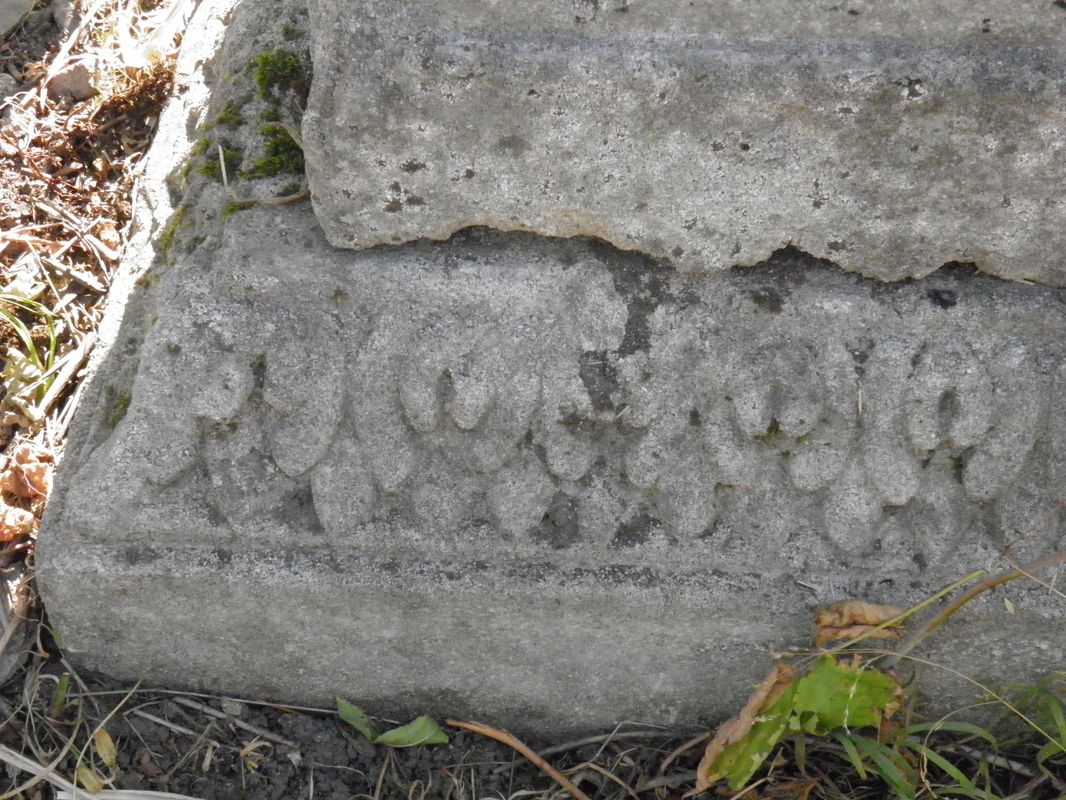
(964, 785)
(951, 727)
(890, 766)
(740, 760)
(834, 696)
(1057, 715)
(25, 337)
(852, 753)
(423, 730)
(357, 718)
(59, 696)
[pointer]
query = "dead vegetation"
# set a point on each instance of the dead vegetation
(71, 141)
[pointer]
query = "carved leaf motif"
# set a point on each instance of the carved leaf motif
(602, 507)
(798, 389)
(644, 393)
(388, 446)
(1057, 436)
(472, 398)
(688, 500)
(565, 406)
(171, 449)
(817, 461)
(519, 497)
(418, 392)
(1020, 396)
(342, 488)
(505, 423)
(653, 453)
(737, 461)
(225, 383)
(442, 496)
(951, 397)
(889, 461)
(852, 509)
(245, 481)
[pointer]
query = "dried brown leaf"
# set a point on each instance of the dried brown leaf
(826, 634)
(15, 522)
(29, 472)
(845, 613)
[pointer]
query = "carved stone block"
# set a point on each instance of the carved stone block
(546, 482)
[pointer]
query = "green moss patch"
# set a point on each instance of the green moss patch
(230, 115)
(281, 154)
(211, 167)
(277, 71)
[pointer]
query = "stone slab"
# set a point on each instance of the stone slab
(542, 482)
(890, 137)
(12, 12)
(546, 483)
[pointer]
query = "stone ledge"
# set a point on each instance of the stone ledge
(892, 140)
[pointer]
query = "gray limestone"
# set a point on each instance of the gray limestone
(544, 482)
(12, 12)
(891, 137)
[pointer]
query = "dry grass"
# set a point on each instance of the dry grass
(67, 167)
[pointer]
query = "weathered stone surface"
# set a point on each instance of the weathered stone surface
(542, 481)
(12, 12)
(545, 454)
(890, 137)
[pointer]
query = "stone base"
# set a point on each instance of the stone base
(544, 482)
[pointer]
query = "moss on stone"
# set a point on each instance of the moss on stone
(211, 167)
(119, 406)
(277, 71)
(230, 115)
(281, 154)
(170, 230)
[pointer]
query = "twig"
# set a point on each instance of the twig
(124, 794)
(40, 773)
(994, 759)
(17, 610)
(966, 597)
(605, 737)
(503, 737)
(301, 194)
(173, 726)
(667, 780)
(683, 748)
(607, 774)
(214, 712)
(88, 281)
(59, 383)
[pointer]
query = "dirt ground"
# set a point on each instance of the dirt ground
(222, 749)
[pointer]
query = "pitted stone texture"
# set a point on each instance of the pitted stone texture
(890, 137)
(498, 397)
(507, 442)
